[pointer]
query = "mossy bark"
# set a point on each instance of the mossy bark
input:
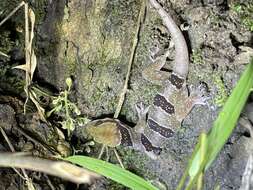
(91, 42)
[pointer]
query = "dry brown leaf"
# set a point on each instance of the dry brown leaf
(21, 67)
(33, 64)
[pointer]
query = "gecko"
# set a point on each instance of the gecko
(172, 104)
(159, 121)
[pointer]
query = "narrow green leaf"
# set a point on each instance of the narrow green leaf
(227, 119)
(203, 151)
(113, 172)
(198, 165)
(222, 128)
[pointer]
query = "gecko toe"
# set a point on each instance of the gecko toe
(141, 110)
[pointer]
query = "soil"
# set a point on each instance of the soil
(91, 41)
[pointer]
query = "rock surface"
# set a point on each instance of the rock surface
(91, 42)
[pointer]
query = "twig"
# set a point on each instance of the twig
(61, 169)
(7, 140)
(49, 183)
(44, 146)
(27, 56)
(12, 12)
(135, 42)
(26, 178)
(12, 149)
(5, 55)
(7, 17)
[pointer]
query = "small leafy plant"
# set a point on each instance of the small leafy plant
(197, 57)
(67, 109)
(221, 96)
(245, 12)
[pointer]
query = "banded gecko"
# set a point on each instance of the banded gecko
(169, 108)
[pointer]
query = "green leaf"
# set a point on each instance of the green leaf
(221, 130)
(237, 8)
(227, 119)
(113, 172)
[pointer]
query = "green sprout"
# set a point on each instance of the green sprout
(245, 12)
(222, 94)
(197, 57)
(67, 109)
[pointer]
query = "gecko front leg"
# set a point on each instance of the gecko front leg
(153, 71)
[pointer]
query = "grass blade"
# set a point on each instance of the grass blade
(113, 172)
(222, 128)
(227, 119)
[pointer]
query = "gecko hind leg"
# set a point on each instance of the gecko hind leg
(197, 95)
(196, 98)
(187, 103)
